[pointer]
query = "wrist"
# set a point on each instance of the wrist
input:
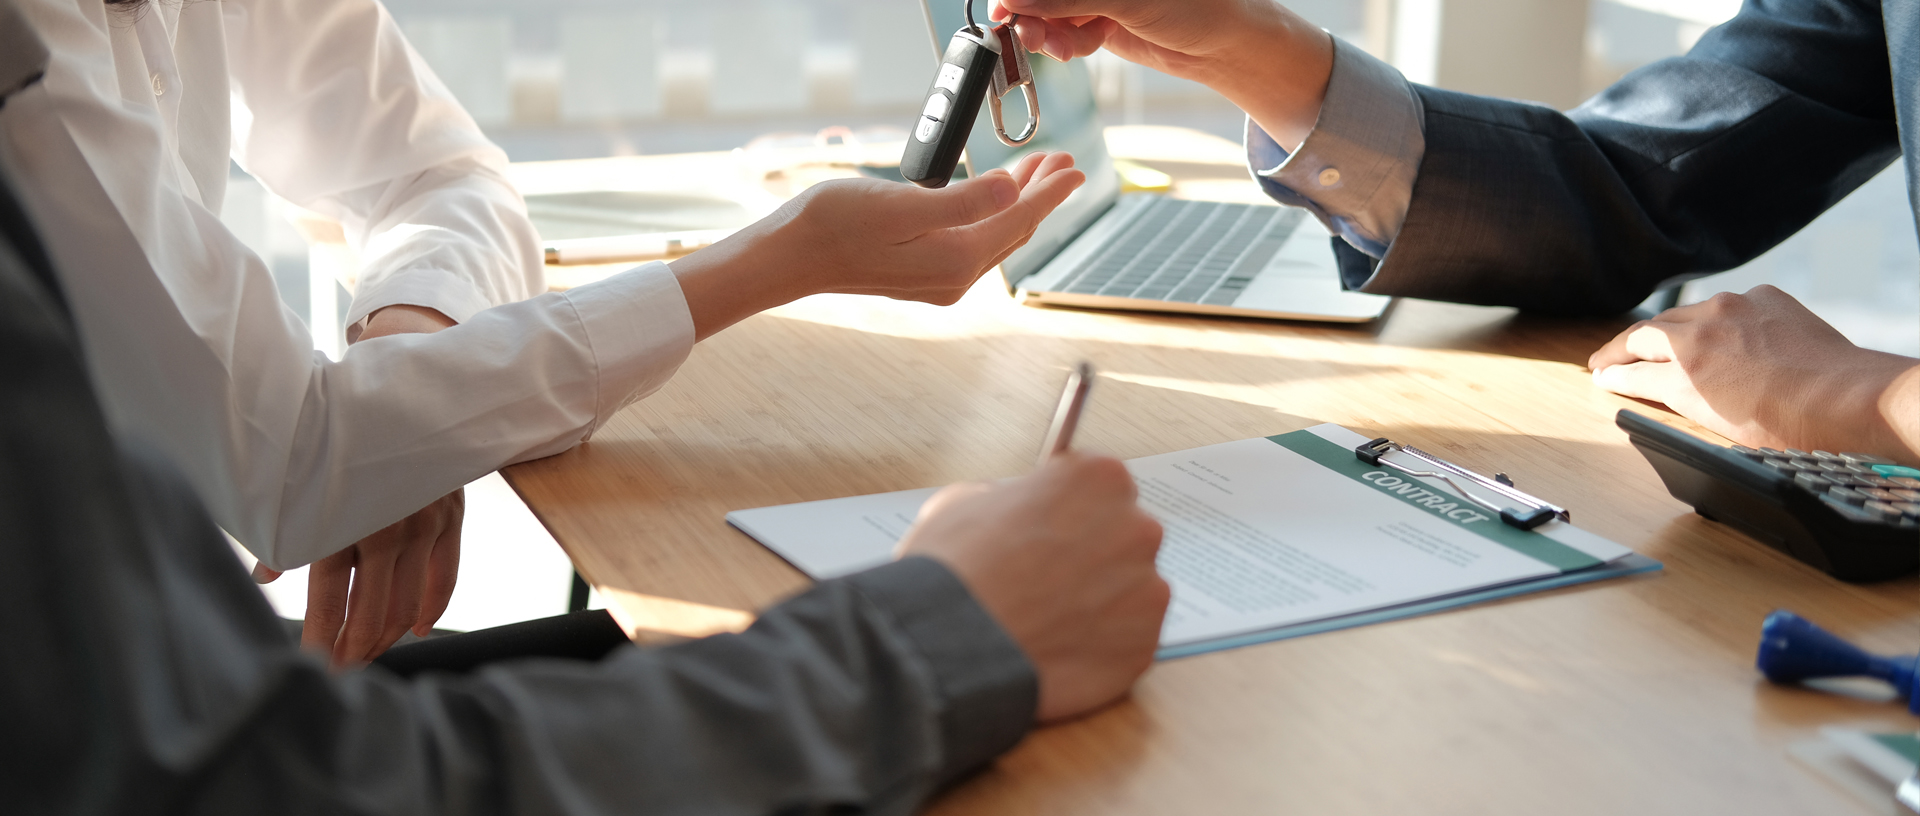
(1869, 406)
(1896, 411)
(749, 272)
(1276, 68)
(399, 318)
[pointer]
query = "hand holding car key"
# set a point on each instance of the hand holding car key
(979, 62)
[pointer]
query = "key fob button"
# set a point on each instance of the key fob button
(936, 107)
(950, 76)
(928, 130)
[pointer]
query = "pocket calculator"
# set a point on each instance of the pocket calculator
(1854, 516)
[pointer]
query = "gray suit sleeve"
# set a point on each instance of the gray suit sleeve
(862, 695)
(171, 687)
(1688, 166)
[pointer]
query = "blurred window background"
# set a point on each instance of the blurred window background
(563, 79)
(569, 79)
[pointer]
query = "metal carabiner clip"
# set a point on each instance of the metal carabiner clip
(1012, 71)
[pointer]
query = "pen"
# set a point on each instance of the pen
(1066, 418)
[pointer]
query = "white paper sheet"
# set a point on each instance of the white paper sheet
(1257, 536)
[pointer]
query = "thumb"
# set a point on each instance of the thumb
(263, 574)
(1659, 382)
(960, 204)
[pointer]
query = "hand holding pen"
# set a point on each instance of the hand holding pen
(1063, 559)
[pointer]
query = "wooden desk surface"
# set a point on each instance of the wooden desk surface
(1630, 696)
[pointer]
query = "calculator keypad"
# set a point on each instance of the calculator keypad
(1875, 487)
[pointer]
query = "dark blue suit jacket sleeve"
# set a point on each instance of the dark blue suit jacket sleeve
(1691, 165)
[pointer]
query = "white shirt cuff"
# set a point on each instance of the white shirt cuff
(1356, 169)
(639, 330)
(453, 295)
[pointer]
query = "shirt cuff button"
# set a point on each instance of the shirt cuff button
(1329, 177)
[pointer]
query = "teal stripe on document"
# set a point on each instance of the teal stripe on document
(1525, 542)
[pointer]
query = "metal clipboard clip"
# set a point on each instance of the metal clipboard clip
(1537, 512)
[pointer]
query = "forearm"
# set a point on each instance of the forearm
(741, 276)
(516, 382)
(863, 695)
(1900, 411)
(1274, 67)
(1871, 407)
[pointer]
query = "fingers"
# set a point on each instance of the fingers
(1055, 179)
(1054, 8)
(405, 597)
(1065, 42)
(1102, 477)
(1024, 170)
(327, 583)
(1651, 342)
(366, 605)
(958, 204)
(263, 574)
(951, 495)
(443, 571)
(1064, 38)
(1645, 340)
(1665, 383)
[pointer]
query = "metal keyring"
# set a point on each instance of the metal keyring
(971, 25)
(1033, 118)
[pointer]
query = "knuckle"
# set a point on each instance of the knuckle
(1149, 533)
(1724, 301)
(1099, 471)
(1162, 592)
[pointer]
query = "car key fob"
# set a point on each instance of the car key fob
(940, 134)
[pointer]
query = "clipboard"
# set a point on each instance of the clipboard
(1277, 537)
(1532, 513)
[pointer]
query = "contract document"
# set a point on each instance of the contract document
(1261, 534)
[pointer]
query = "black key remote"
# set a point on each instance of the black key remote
(953, 103)
(1854, 516)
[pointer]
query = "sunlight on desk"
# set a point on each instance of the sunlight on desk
(643, 615)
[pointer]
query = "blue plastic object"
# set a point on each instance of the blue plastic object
(1792, 649)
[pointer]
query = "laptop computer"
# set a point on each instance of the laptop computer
(1144, 251)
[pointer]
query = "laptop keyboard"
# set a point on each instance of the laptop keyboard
(1185, 252)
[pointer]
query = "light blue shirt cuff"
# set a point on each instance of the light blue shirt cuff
(1355, 171)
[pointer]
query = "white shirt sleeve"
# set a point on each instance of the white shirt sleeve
(334, 112)
(192, 350)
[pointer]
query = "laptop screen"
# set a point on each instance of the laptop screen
(1069, 121)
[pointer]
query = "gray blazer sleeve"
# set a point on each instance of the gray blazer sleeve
(160, 681)
(167, 685)
(1688, 166)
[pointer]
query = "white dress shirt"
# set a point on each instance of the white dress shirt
(121, 153)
